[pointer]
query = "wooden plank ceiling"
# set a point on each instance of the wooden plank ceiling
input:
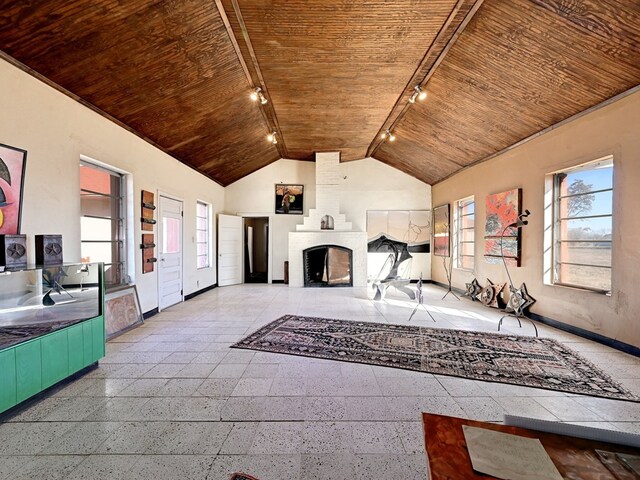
(336, 73)
(519, 66)
(167, 69)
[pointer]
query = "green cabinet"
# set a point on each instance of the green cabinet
(97, 330)
(8, 387)
(55, 357)
(87, 345)
(76, 348)
(28, 369)
(44, 359)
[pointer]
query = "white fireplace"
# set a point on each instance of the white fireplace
(316, 229)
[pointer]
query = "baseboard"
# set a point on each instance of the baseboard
(277, 281)
(446, 286)
(150, 313)
(200, 292)
(581, 332)
(565, 327)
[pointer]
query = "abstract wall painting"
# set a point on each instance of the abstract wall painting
(503, 209)
(398, 245)
(12, 167)
(289, 199)
(412, 227)
(441, 228)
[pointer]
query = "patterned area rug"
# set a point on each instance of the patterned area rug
(532, 362)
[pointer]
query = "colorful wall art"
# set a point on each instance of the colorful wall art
(441, 228)
(12, 166)
(502, 209)
(289, 199)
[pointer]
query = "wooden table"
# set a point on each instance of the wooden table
(448, 457)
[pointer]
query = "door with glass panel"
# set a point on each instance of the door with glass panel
(169, 252)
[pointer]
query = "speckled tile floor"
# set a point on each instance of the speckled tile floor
(171, 400)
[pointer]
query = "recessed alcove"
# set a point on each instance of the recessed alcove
(328, 266)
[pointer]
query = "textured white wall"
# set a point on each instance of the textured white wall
(369, 185)
(612, 130)
(56, 131)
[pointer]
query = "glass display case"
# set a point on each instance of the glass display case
(51, 327)
(36, 301)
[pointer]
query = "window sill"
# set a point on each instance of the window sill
(116, 288)
(579, 289)
(466, 270)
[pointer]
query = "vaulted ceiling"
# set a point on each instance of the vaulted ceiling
(336, 73)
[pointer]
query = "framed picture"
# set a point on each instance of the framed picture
(289, 199)
(441, 226)
(502, 209)
(122, 310)
(12, 167)
(412, 227)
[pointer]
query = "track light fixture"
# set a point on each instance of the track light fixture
(387, 134)
(257, 95)
(272, 138)
(418, 94)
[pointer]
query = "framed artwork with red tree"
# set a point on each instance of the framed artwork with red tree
(502, 209)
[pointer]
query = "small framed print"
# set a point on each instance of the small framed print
(289, 199)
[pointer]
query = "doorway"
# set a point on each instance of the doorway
(256, 249)
(170, 252)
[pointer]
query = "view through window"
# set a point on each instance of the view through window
(202, 232)
(583, 225)
(464, 231)
(102, 220)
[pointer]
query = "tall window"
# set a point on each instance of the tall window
(102, 222)
(583, 198)
(464, 231)
(203, 235)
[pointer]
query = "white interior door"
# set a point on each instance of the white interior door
(229, 250)
(170, 252)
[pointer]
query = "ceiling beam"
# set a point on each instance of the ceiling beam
(251, 67)
(458, 19)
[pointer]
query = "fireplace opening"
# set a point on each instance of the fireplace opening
(328, 266)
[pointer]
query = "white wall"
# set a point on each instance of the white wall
(56, 131)
(611, 130)
(366, 185)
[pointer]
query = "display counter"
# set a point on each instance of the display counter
(51, 326)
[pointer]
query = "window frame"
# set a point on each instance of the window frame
(121, 237)
(556, 231)
(208, 234)
(458, 215)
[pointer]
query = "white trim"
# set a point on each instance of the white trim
(270, 217)
(209, 233)
(551, 221)
(129, 257)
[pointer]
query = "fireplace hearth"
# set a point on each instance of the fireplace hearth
(328, 266)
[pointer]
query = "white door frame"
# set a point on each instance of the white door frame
(182, 244)
(270, 239)
(237, 273)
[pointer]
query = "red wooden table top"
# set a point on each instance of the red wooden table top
(449, 459)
